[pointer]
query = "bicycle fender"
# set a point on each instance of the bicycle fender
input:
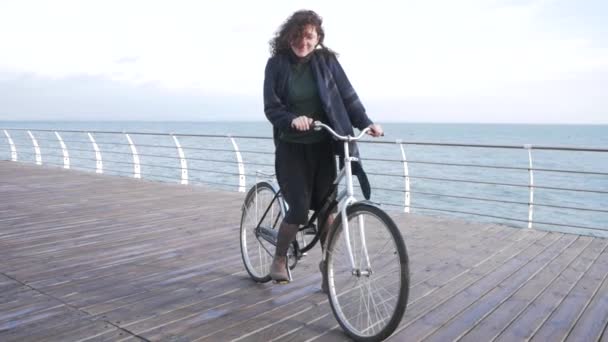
(368, 202)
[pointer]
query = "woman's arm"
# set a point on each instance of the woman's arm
(275, 110)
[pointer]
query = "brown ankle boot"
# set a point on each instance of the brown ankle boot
(278, 270)
(324, 284)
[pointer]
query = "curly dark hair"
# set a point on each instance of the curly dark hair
(293, 28)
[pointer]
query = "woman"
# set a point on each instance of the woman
(304, 82)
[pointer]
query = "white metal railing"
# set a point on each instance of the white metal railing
(64, 151)
(207, 151)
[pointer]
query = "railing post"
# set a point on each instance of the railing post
(12, 146)
(36, 148)
(530, 185)
(136, 168)
(241, 166)
(98, 162)
(406, 207)
(182, 160)
(64, 150)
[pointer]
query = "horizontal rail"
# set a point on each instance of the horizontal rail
(385, 174)
(501, 217)
(225, 150)
(488, 166)
(364, 159)
(215, 171)
(217, 183)
(488, 199)
(397, 142)
(410, 161)
(508, 202)
(376, 188)
(153, 175)
(104, 169)
(438, 209)
(509, 184)
(403, 188)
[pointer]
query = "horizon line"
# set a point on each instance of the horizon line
(262, 120)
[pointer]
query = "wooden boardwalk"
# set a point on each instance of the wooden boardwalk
(95, 257)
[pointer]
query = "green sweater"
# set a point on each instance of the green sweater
(303, 98)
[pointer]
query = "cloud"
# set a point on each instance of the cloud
(464, 48)
(126, 60)
(453, 52)
(84, 97)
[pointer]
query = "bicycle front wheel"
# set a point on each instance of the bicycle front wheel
(369, 300)
(262, 208)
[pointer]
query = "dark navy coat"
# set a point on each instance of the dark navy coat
(340, 101)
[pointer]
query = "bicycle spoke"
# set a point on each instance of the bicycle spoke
(263, 209)
(367, 304)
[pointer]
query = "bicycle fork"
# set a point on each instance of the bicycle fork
(346, 198)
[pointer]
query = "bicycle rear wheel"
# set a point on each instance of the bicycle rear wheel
(259, 207)
(368, 302)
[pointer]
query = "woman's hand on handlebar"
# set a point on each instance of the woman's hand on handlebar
(302, 123)
(375, 130)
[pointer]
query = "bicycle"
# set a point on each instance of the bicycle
(366, 262)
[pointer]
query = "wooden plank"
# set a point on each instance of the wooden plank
(24, 316)
(566, 316)
(101, 305)
(79, 330)
(451, 306)
(593, 321)
(22, 304)
(101, 257)
(113, 336)
(65, 318)
(479, 325)
(469, 308)
(526, 324)
(98, 251)
(238, 310)
(102, 252)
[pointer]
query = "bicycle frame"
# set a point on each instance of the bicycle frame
(269, 235)
(346, 197)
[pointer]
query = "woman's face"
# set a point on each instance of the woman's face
(309, 39)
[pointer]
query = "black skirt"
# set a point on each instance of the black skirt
(305, 173)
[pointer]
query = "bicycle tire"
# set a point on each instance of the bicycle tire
(256, 257)
(381, 234)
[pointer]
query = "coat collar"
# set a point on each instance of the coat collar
(293, 59)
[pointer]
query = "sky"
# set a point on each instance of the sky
(489, 61)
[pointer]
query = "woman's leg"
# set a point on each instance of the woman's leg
(324, 178)
(295, 166)
(329, 220)
(278, 269)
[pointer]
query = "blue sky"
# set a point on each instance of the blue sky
(492, 61)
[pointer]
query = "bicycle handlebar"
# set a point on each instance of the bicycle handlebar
(318, 125)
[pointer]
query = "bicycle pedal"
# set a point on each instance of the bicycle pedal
(309, 231)
(280, 282)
